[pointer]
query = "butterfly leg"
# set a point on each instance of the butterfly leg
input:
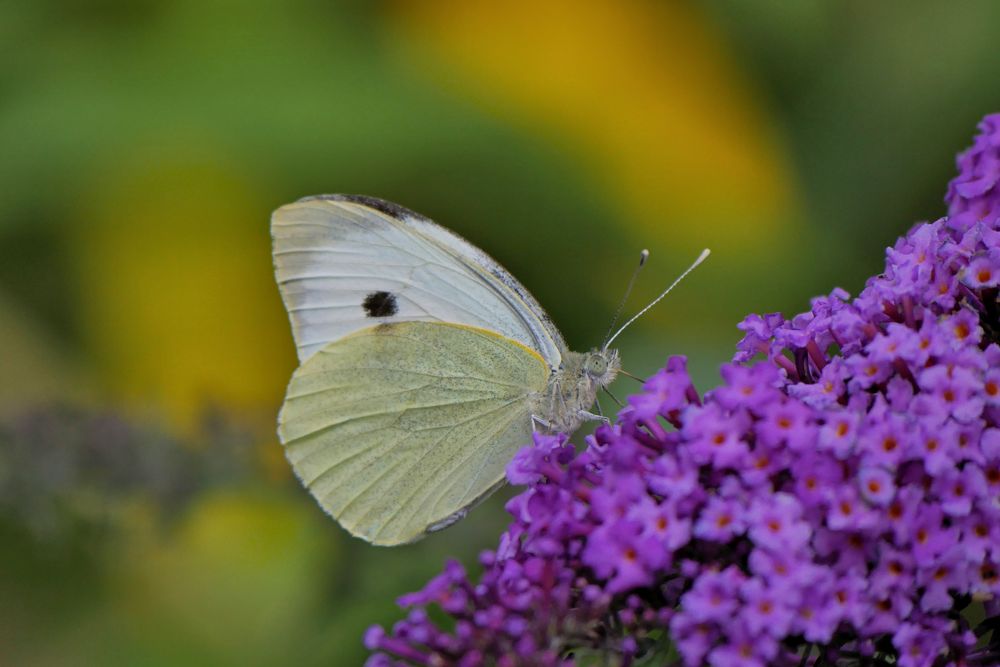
(591, 417)
(537, 421)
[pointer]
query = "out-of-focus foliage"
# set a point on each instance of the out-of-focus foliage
(32, 356)
(145, 143)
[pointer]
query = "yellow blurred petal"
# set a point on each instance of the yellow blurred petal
(643, 91)
(177, 295)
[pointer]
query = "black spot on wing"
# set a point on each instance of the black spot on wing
(380, 304)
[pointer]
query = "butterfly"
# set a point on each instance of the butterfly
(424, 366)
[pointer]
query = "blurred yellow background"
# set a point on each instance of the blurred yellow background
(147, 515)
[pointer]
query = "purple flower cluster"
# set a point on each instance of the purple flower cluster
(973, 196)
(836, 501)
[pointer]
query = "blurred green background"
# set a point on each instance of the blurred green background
(147, 516)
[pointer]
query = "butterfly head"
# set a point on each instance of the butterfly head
(601, 366)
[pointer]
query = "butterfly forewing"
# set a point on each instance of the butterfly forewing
(397, 428)
(344, 263)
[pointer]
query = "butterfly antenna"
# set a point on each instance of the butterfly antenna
(629, 375)
(701, 258)
(643, 256)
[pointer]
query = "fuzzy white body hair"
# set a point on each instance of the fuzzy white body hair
(572, 389)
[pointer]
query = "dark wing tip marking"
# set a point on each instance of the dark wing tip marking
(381, 205)
(380, 304)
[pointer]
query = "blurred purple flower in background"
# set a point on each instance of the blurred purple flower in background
(836, 502)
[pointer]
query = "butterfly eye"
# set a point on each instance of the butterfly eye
(596, 365)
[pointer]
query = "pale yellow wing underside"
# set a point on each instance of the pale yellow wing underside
(398, 429)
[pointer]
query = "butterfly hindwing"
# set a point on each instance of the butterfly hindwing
(398, 428)
(344, 263)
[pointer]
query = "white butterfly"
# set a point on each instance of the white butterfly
(425, 366)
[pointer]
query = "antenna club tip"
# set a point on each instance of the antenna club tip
(643, 256)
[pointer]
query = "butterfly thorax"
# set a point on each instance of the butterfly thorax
(566, 401)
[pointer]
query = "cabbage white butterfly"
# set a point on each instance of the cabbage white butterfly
(424, 366)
